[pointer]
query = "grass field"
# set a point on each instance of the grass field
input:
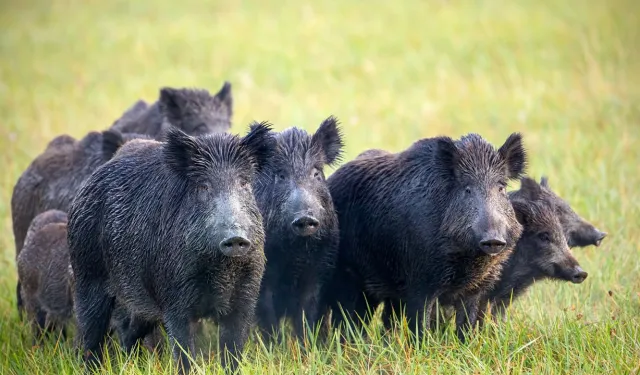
(564, 73)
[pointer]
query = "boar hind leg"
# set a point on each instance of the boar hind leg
(19, 302)
(38, 324)
(93, 309)
(137, 330)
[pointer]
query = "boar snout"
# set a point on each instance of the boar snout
(492, 245)
(579, 275)
(599, 237)
(305, 225)
(235, 246)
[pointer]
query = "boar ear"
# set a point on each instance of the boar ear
(530, 189)
(60, 141)
(171, 103)
(225, 97)
(544, 181)
(260, 143)
(181, 151)
(514, 154)
(328, 138)
(522, 211)
(447, 155)
(111, 142)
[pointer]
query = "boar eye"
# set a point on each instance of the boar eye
(467, 190)
(544, 236)
(280, 175)
(502, 187)
(317, 174)
(203, 187)
(244, 182)
(202, 128)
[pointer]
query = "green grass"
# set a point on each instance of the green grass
(565, 73)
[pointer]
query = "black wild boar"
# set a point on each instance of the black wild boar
(43, 270)
(372, 153)
(171, 231)
(131, 114)
(579, 232)
(434, 220)
(301, 225)
(54, 177)
(541, 253)
(194, 111)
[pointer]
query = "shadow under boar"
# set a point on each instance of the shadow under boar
(300, 223)
(194, 111)
(171, 231)
(434, 220)
(579, 232)
(54, 177)
(43, 271)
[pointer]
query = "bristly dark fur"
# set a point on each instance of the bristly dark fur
(292, 187)
(578, 231)
(54, 177)
(112, 140)
(148, 230)
(411, 225)
(194, 111)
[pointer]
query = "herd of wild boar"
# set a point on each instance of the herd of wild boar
(166, 218)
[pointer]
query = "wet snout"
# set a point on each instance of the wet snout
(492, 245)
(305, 210)
(491, 229)
(567, 268)
(305, 225)
(231, 226)
(578, 275)
(599, 237)
(235, 246)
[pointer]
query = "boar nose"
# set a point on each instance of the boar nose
(492, 246)
(235, 246)
(305, 225)
(578, 275)
(599, 237)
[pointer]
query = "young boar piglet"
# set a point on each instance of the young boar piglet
(45, 284)
(54, 177)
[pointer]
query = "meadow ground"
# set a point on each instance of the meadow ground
(564, 73)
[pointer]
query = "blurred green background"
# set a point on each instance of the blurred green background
(564, 73)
